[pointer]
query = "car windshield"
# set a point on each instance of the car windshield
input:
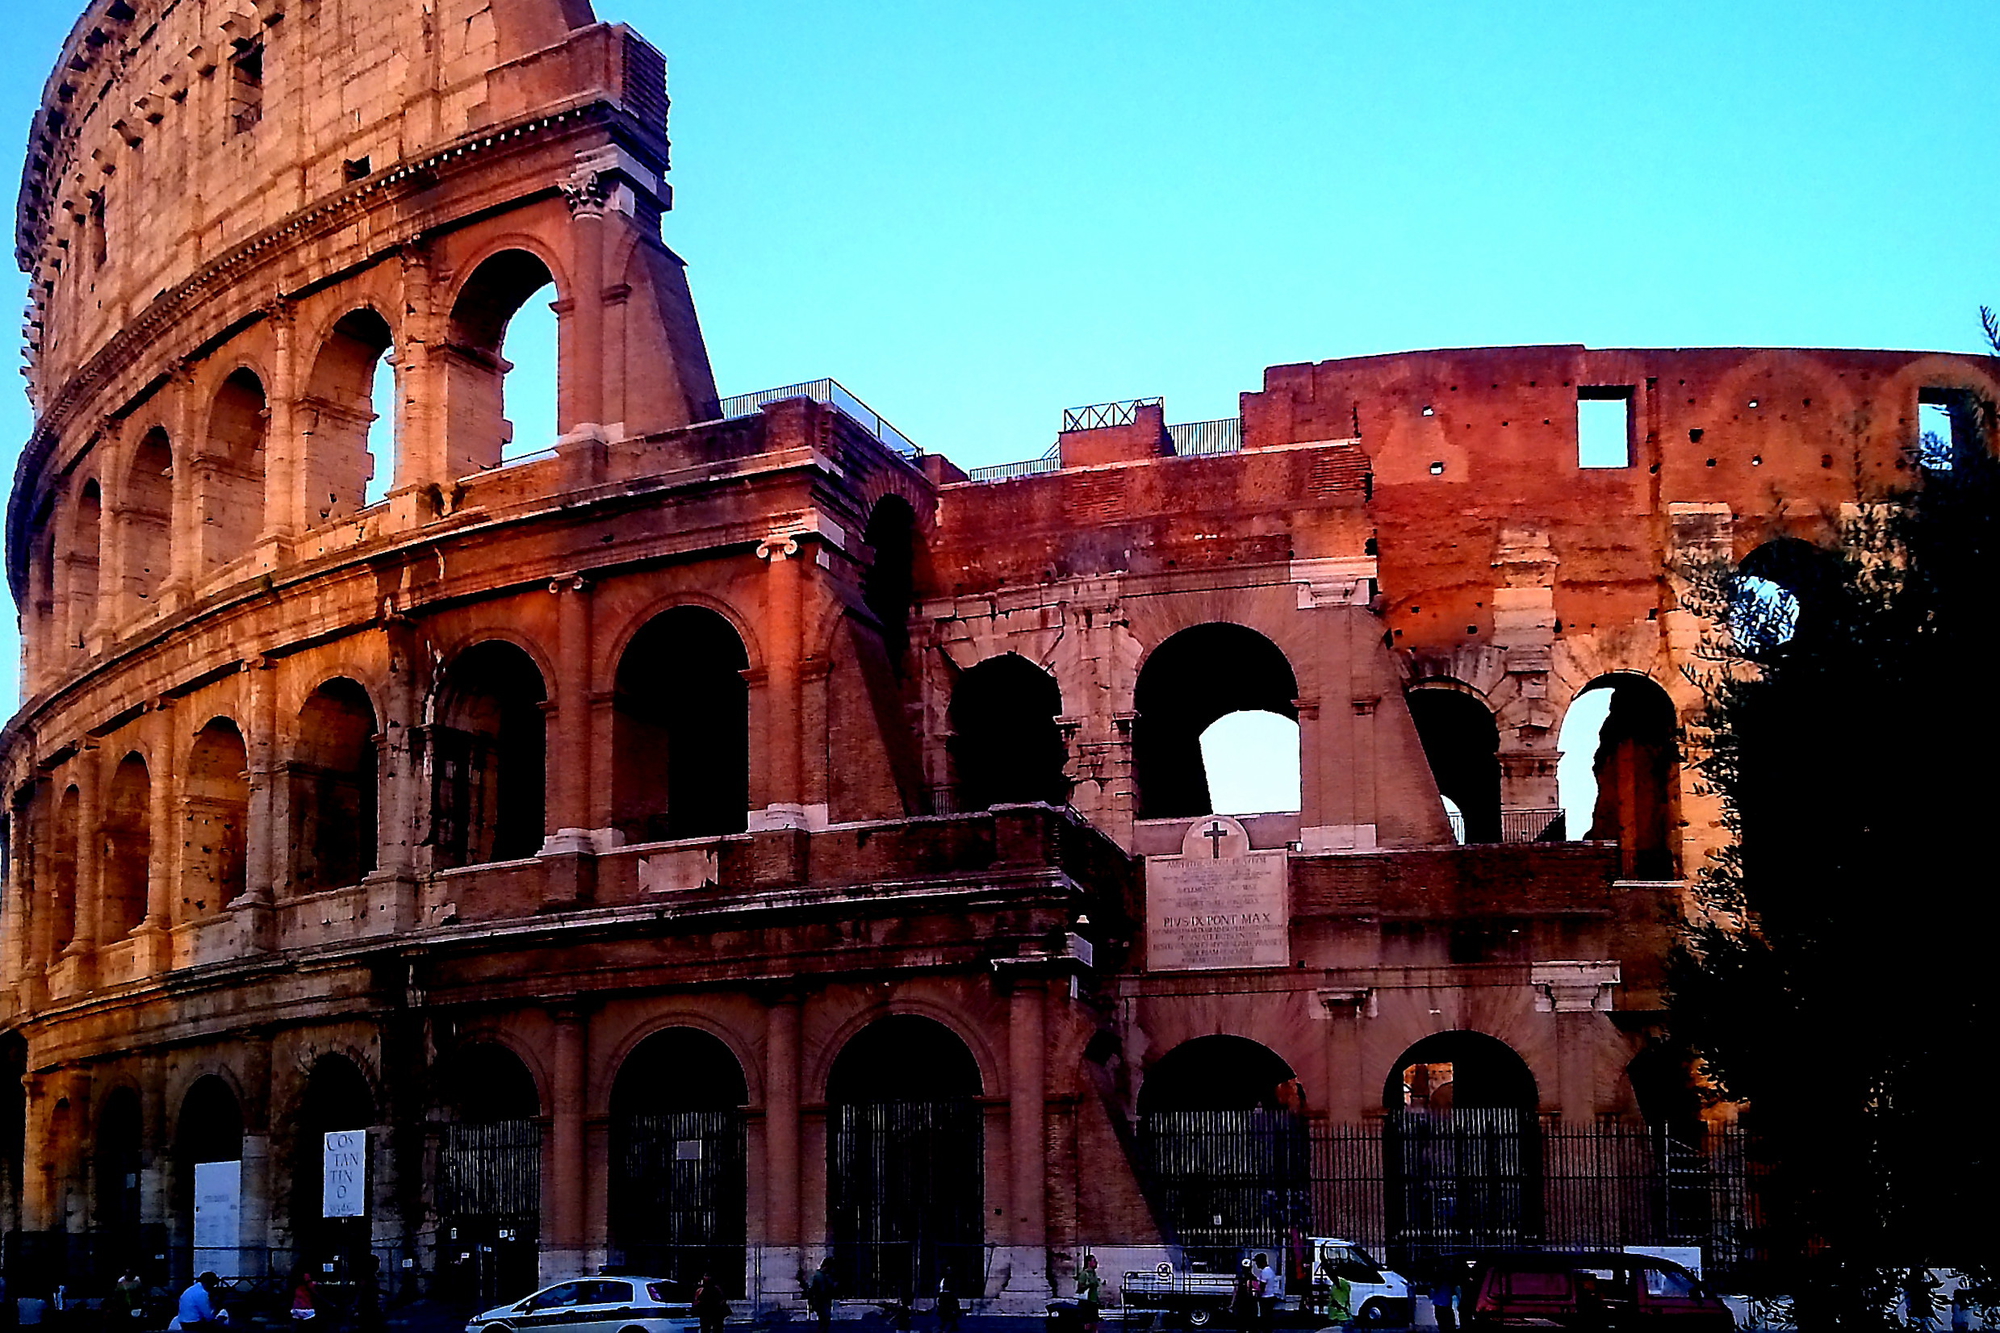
(563, 1294)
(1670, 1283)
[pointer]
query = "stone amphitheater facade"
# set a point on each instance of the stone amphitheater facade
(619, 834)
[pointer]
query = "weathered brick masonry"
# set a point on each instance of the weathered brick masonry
(679, 823)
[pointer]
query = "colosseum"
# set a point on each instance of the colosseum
(727, 835)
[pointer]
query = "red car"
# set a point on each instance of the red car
(1591, 1291)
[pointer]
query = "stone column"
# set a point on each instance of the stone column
(36, 1173)
(783, 1257)
(184, 524)
(265, 843)
(155, 1151)
(784, 598)
(89, 860)
(582, 353)
(254, 1221)
(564, 1194)
(163, 869)
(284, 467)
(1026, 1262)
(569, 852)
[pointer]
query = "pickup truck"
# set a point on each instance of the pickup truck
(1345, 1285)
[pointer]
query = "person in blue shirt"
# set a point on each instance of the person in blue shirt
(198, 1303)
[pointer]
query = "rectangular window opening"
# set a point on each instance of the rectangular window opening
(246, 89)
(1604, 425)
(1951, 424)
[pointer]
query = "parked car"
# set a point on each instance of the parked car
(595, 1305)
(1607, 1291)
(1348, 1282)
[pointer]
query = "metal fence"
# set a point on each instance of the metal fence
(1033, 467)
(905, 1196)
(1099, 415)
(1421, 1184)
(1198, 439)
(824, 391)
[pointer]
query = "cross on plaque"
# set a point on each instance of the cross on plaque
(1215, 833)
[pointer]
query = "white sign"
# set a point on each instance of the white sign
(1218, 904)
(218, 1206)
(345, 1166)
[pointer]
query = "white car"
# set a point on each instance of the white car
(595, 1305)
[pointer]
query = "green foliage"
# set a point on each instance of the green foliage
(1840, 978)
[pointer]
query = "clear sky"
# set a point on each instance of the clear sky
(976, 214)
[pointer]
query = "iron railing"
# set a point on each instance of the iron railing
(1033, 467)
(1200, 439)
(824, 391)
(1532, 826)
(1097, 416)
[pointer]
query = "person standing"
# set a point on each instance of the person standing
(305, 1303)
(1270, 1286)
(947, 1307)
(709, 1304)
(128, 1296)
(1243, 1299)
(1089, 1294)
(819, 1293)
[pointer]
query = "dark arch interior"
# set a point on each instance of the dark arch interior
(1460, 1071)
(62, 908)
(86, 546)
(681, 729)
(117, 1166)
(335, 1097)
(1462, 742)
(679, 1069)
(888, 588)
(333, 789)
(232, 499)
(1005, 745)
(489, 758)
(1218, 1073)
(148, 515)
(903, 1058)
(211, 1123)
(486, 1082)
(1191, 680)
(1636, 768)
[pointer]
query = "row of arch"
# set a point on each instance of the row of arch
(108, 548)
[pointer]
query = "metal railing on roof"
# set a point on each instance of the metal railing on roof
(829, 391)
(1198, 438)
(1099, 415)
(1033, 467)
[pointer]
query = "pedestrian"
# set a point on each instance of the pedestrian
(1270, 1286)
(1089, 1294)
(710, 1306)
(128, 1295)
(305, 1297)
(198, 1308)
(1243, 1299)
(819, 1293)
(947, 1307)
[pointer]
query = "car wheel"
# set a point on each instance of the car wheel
(1375, 1314)
(496, 1328)
(1200, 1318)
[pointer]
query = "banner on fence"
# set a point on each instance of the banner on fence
(218, 1206)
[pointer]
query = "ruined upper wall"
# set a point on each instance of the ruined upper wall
(172, 132)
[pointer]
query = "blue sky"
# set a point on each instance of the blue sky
(977, 214)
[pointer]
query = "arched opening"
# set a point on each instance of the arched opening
(1779, 590)
(889, 587)
(905, 1161)
(1251, 758)
(116, 1164)
(502, 361)
(232, 471)
(1631, 794)
(1005, 744)
(339, 416)
(146, 517)
(332, 781)
(1462, 742)
(681, 729)
(487, 758)
(62, 878)
(86, 544)
(13, 1123)
(208, 1177)
(1461, 1148)
(43, 641)
(1223, 1134)
(679, 1186)
(1195, 678)
(215, 810)
(128, 849)
(332, 1188)
(489, 1183)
